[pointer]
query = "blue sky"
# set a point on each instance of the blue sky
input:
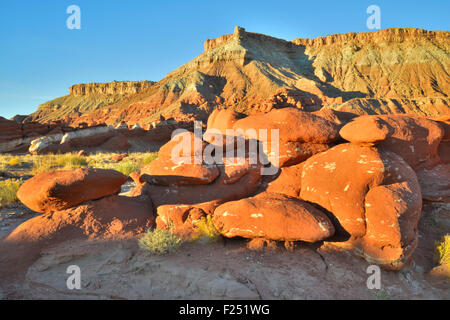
(145, 39)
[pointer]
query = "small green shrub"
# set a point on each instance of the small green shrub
(381, 295)
(206, 231)
(14, 162)
(8, 191)
(126, 167)
(159, 241)
(442, 251)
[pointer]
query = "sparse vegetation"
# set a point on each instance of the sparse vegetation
(159, 241)
(126, 167)
(8, 191)
(206, 231)
(35, 164)
(381, 295)
(442, 251)
(14, 162)
(54, 162)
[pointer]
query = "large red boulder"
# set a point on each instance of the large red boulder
(112, 218)
(366, 189)
(414, 138)
(292, 124)
(300, 134)
(184, 144)
(222, 120)
(272, 216)
(289, 182)
(59, 190)
(166, 172)
(180, 162)
(105, 218)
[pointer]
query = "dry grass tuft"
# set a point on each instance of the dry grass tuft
(159, 242)
(8, 191)
(442, 251)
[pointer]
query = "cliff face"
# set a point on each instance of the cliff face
(388, 71)
(111, 88)
(85, 98)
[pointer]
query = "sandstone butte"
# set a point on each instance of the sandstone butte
(399, 70)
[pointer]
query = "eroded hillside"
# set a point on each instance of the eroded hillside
(388, 71)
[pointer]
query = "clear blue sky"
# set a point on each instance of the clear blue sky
(145, 39)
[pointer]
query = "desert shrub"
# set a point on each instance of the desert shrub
(159, 241)
(206, 231)
(381, 295)
(150, 158)
(14, 162)
(71, 161)
(42, 164)
(126, 167)
(442, 251)
(2, 168)
(54, 162)
(8, 191)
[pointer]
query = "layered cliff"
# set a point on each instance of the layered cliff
(388, 71)
(83, 98)
(111, 88)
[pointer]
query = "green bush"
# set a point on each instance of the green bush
(206, 231)
(442, 252)
(8, 191)
(159, 242)
(126, 167)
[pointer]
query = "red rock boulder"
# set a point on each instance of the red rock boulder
(166, 172)
(105, 218)
(59, 190)
(222, 120)
(272, 216)
(415, 139)
(289, 182)
(300, 134)
(375, 199)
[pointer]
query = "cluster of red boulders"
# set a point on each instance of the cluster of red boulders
(80, 203)
(357, 182)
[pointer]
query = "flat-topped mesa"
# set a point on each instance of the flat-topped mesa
(385, 35)
(114, 87)
(239, 35)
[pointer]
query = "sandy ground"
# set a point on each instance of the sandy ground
(223, 270)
